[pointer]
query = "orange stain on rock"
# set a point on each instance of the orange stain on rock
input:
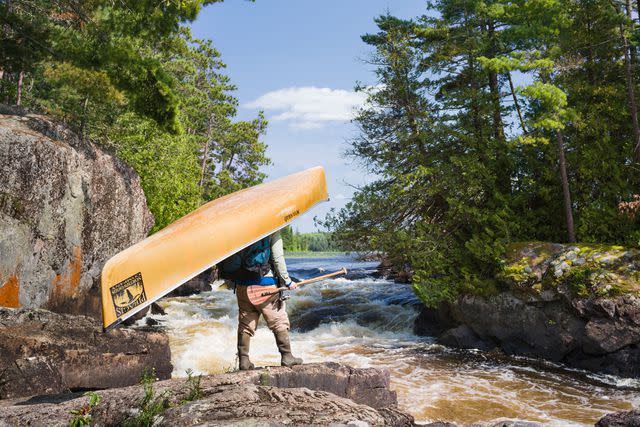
(10, 293)
(66, 284)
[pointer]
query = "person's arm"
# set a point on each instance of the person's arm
(277, 257)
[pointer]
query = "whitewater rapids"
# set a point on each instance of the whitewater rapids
(367, 322)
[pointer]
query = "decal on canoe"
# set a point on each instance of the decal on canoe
(128, 294)
(287, 218)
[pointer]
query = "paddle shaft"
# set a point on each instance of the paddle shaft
(308, 281)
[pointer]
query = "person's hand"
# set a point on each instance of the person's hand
(292, 285)
(285, 295)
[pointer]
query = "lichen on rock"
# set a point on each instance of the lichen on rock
(582, 269)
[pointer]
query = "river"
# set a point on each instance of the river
(367, 322)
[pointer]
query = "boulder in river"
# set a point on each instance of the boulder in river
(42, 352)
(620, 419)
(201, 283)
(66, 206)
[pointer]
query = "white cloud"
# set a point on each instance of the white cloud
(309, 107)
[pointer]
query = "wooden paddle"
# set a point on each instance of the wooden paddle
(259, 294)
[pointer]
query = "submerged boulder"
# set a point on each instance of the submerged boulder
(66, 206)
(42, 352)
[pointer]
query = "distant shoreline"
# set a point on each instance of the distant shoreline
(313, 254)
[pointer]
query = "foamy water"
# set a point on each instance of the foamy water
(367, 322)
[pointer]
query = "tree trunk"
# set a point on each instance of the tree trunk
(475, 108)
(475, 89)
(590, 55)
(205, 152)
(566, 194)
(503, 175)
(6, 82)
(83, 121)
(19, 97)
(632, 24)
(6, 30)
(494, 88)
(628, 71)
(517, 104)
(631, 95)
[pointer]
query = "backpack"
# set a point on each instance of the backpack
(250, 263)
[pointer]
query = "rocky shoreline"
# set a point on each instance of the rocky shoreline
(577, 305)
(315, 394)
(42, 352)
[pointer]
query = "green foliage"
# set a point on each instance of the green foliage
(167, 165)
(265, 379)
(194, 389)
(77, 96)
(82, 417)
(131, 77)
(432, 291)
(463, 156)
(151, 404)
(579, 281)
(116, 38)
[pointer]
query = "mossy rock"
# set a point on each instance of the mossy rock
(517, 273)
(584, 270)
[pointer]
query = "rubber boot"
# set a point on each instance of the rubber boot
(243, 352)
(282, 340)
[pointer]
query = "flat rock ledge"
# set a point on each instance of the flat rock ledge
(314, 394)
(42, 352)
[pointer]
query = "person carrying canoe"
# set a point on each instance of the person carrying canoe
(261, 264)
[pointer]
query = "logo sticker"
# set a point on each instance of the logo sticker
(291, 215)
(128, 294)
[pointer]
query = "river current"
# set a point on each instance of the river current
(367, 322)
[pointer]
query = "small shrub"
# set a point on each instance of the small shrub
(82, 417)
(265, 379)
(193, 387)
(151, 404)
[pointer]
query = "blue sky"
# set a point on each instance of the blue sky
(298, 61)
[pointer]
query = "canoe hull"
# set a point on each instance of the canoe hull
(148, 270)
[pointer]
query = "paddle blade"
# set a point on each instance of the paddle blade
(260, 294)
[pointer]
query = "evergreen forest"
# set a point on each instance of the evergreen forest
(494, 122)
(294, 241)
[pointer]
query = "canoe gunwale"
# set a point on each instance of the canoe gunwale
(146, 304)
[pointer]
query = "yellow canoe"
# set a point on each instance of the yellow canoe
(148, 270)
